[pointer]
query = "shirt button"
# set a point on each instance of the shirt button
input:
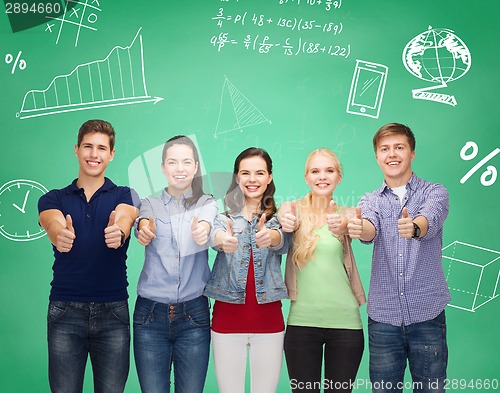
(88, 215)
(259, 264)
(401, 293)
(263, 297)
(400, 274)
(400, 255)
(261, 282)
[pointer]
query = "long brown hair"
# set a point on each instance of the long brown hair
(235, 200)
(197, 184)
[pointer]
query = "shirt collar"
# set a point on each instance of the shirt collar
(74, 189)
(412, 184)
(240, 214)
(167, 198)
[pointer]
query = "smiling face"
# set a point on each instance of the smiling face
(394, 156)
(94, 154)
(179, 168)
(322, 174)
(253, 177)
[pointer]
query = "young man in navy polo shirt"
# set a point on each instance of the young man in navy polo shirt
(88, 223)
(408, 292)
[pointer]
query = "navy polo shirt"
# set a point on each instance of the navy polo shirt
(90, 271)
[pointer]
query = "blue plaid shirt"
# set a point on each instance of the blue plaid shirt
(407, 283)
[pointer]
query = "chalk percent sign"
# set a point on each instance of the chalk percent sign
(9, 59)
(490, 171)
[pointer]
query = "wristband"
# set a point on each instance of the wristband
(416, 231)
(122, 241)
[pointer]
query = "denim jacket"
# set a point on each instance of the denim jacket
(230, 271)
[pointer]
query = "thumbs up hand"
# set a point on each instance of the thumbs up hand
(147, 232)
(289, 221)
(355, 225)
(199, 231)
(405, 225)
(112, 233)
(229, 241)
(262, 236)
(65, 237)
(334, 220)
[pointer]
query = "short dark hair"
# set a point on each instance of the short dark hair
(197, 184)
(394, 129)
(100, 126)
(235, 200)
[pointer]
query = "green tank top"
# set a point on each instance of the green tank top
(324, 295)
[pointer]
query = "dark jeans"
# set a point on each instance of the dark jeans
(422, 344)
(166, 334)
(76, 330)
(305, 348)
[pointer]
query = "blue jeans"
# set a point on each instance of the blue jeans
(76, 330)
(422, 344)
(172, 334)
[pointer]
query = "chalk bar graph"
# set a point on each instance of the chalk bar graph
(118, 79)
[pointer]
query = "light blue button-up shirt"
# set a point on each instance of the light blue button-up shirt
(175, 266)
(407, 283)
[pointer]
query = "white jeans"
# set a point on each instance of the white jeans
(230, 361)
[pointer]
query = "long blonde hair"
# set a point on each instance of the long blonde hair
(304, 238)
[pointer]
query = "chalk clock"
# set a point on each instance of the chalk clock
(19, 211)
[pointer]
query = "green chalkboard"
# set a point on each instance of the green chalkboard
(286, 75)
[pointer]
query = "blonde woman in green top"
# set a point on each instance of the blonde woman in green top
(323, 283)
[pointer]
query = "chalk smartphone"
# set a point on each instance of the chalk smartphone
(367, 89)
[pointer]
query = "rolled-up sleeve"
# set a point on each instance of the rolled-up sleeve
(435, 209)
(208, 212)
(145, 211)
(368, 207)
(282, 247)
(219, 224)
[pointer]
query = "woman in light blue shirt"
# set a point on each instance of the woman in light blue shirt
(171, 317)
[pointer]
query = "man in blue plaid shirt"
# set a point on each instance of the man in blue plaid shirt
(408, 292)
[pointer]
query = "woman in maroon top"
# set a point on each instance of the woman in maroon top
(247, 281)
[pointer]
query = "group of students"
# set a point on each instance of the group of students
(89, 223)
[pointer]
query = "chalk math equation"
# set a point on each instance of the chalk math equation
(294, 45)
(288, 23)
(328, 4)
(290, 47)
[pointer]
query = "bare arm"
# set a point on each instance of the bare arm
(59, 229)
(275, 237)
(422, 222)
(125, 217)
(120, 220)
(361, 228)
